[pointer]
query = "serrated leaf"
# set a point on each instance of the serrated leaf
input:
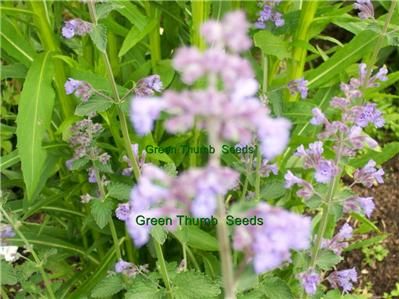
(33, 120)
(99, 37)
(273, 189)
(101, 211)
(143, 289)
(194, 285)
(134, 36)
(276, 288)
(78, 164)
(327, 259)
(102, 167)
(272, 44)
(94, 104)
(108, 286)
(119, 191)
(8, 275)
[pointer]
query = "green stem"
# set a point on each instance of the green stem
(199, 12)
(222, 230)
(50, 44)
(162, 267)
(257, 173)
(111, 221)
(122, 118)
(302, 35)
(154, 36)
(38, 262)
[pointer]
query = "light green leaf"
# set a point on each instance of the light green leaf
(103, 10)
(101, 211)
(134, 36)
(271, 44)
(16, 70)
(353, 51)
(276, 288)
(14, 43)
(99, 37)
(327, 259)
(108, 286)
(194, 285)
(119, 191)
(196, 238)
(8, 275)
(159, 234)
(131, 12)
(143, 289)
(389, 151)
(33, 119)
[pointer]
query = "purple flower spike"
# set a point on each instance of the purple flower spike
(122, 266)
(318, 117)
(363, 205)
(148, 86)
(309, 281)
(6, 231)
(368, 114)
(71, 85)
(343, 279)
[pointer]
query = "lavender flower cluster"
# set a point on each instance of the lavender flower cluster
(158, 194)
(347, 137)
(234, 113)
(269, 14)
(80, 89)
(269, 245)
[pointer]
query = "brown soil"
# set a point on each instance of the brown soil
(383, 275)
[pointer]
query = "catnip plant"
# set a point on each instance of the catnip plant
(191, 150)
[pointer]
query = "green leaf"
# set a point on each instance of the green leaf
(94, 104)
(365, 224)
(276, 288)
(143, 289)
(134, 36)
(367, 242)
(9, 160)
(356, 49)
(159, 234)
(327, 259)
(108, 286)
(119, 191)
(101, 211)
(78, 164)
(273, 189)
(272, 44)
(194, 285)
(99, 37)
(103, 10)
(16, 70)
(14, 43)
(389, 151)
(33, 120)
(8, 275)
(194, 237)
(133, 14)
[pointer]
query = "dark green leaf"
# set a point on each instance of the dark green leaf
(327, 259)
(109, 286)
(272, 44)
(119, 191)
(196, 238)
(134, 36)
(101, 211)
(276, 288)
(8, 275)
(94, 104)
(99, 37)
(194, 285)
(143, 289)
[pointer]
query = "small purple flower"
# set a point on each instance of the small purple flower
(358, 139)
(6, 231)
(269, 13)
(368, 114)
(343, 279)
(76, 27)
(122, 211)
(338, 242)
(312, 156)
(318, 117)
(382, 74)
(338, 102)
(148, 86)
(309, 281)
(291, 179)
(360, 204)
(144, 111)
(325, 171)
(368, 175)
(365, 7)
(104, 158)
(307, 190)
(122, 266)
(299, 85)
(92, 175)
(71, 85)
(345, 232)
